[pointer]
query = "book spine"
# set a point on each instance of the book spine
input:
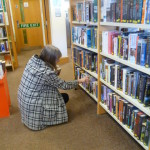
(147, 93)
(147, 63)
(95, 10)
(124, 13)
(143, 53)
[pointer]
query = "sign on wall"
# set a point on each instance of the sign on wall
(30, 25)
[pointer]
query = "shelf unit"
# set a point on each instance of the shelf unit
(5, 10)
(122, 125)
(77, 23)
(106, 26)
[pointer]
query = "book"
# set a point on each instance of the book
(147, 133)
(147, 63)
(95, 10)
(147, 92)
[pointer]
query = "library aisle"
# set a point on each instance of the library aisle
(85, 130)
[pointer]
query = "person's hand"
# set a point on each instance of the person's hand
(84, 80)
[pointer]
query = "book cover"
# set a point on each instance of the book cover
(118, 11)
(112, 77)
(128, 11)
(139, 51)
(114, 103)
(117, 106)
(87, 12)
(143, 129)
(134, 11)
(133, 120)
(132, 47)
(142, 88)
(88, 32)
(142, 119)
(147, 18)
(91, 11)
(144, 11)
(143, 52)
(124, 12)
(125, 48)
(131, 11)
(147, 133)
(147, 63)
(95, 10)
(124, 111)
(139, 6)
(147, 93)
(115, 46)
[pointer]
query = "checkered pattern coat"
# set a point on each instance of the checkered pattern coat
(40, 102)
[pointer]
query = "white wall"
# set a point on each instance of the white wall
(58, 27)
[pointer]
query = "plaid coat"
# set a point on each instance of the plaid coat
(40, 102)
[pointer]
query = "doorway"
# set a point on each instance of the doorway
(28, 24)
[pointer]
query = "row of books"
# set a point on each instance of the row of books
(2, 68)
(85, 59)
(126, 79)
(3, 33)
(85, 11)
(4, 46)
(91, 86)
(85, 36)
(126, 11)
(128, 114)
(134, 47)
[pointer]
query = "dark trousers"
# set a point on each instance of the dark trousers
(65, 97)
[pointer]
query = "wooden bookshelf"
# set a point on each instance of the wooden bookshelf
(107, 26)
(7, 24)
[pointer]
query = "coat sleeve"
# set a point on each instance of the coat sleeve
(57, 82)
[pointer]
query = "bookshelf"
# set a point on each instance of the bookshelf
(108, 26)
(8, 54)
(105, 26)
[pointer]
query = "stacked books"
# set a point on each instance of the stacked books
(4, 46)
(134, 47)
(126, 11)
(85, 59)
(85, 36)
(2, 68)
(126, 113)
(92, 86)
(85, 11)
(126, 79)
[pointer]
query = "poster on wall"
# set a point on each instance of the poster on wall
(57, 12)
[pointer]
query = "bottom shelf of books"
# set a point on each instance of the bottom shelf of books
(131, 132)
(93, 96)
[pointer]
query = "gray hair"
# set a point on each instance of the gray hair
(50, 55)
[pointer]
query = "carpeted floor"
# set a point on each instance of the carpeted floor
(84, 131)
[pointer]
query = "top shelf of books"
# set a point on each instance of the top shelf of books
(125, 25)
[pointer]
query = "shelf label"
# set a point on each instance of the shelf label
(30, 25)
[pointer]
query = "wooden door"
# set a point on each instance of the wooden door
(28, 24)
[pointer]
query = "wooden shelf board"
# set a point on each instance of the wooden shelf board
(85, 23)
(89, 72)
(127, 63)
(8, 65)
(5, 38)
(87, 48)
(125, 25)
(6, 52)
(89, 93)
(123, 126)
(135, 102)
